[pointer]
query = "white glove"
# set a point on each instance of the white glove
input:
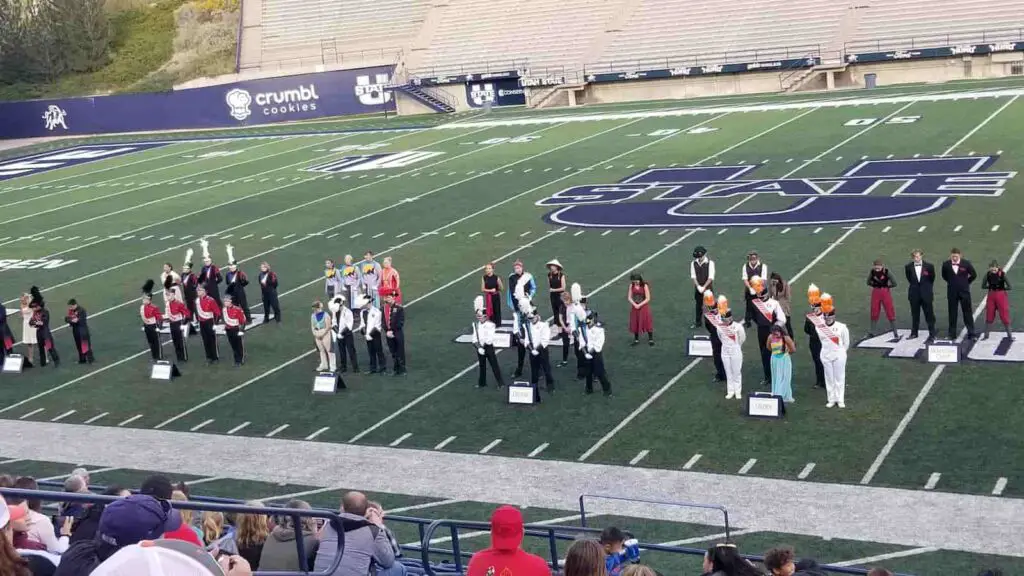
(753, 292)
(588, 356)
(369, 337)
(480, 351)
(535, 352)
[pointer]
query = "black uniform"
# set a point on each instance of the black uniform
(6, 336)
(752, 312)
(374, 346)
(44, 338)
(493, 299)
(595, 368)
(189, 290)
(346, 342)
(489, 356)
(562, 322)
(958, 294)
(393, 320)
(921, 293)
(209, 278)
(539, 362)
(764, 329)
(554, 283)
(702, 271)
(268, 289)
(814, 345)
(716, 346)
(234, 286)
(77, 320)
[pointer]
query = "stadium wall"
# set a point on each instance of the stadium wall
(254, 102)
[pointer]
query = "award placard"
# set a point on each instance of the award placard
(520, 393)
(699, 347)
(943, 352)
(14, 364)
(765, 405)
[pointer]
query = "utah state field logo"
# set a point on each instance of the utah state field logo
(662, 197)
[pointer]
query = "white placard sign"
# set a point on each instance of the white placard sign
(520, 393)
(699, 346)
(161, 371)
(325, 383)
(760, 405)
(943, 352)
(13, 364)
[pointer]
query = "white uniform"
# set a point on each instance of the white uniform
(835, 341)
(483, 335)
(596, 341)
(373, 319)
(732, 336)
(537, 336)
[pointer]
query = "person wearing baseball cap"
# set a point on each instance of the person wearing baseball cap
(17, 561)
(505, 556)
(170, 558)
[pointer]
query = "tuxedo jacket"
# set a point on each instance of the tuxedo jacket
(960, 282)
(397, 322)
(923, 289)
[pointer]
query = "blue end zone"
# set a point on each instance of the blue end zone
(47, 161)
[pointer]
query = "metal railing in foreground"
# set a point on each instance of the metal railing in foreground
(234, 507)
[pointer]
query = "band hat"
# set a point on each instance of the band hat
(555, 262)
(478, 304)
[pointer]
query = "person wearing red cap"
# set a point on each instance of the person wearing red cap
(505, 556)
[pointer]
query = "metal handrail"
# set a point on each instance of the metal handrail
(706, 58)
(698, 505)
(296, 514)
(933, 40)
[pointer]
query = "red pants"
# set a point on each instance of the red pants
(882, 297)
(997, 300)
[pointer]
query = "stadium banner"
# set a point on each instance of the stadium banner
(710, 69)
(505, 92)
(939, 52)
(463, 78)
(263, 101)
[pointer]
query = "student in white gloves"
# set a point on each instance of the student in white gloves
(835, 341)
(370, 321)
(538, 334)
(483, 338)
(732, 336)
(594, 355)
(343, 322)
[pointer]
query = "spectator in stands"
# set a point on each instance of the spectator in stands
(6, 481)
(188, 517)
(83, 474)
(376, 508)
(614, 541)
(782, 562)
(250, 534)
(219, 537)
(160, 487)
(585, 558)
(123, 523)
(366, 541)
(879, 572)
(725, 560)
(85, 528)
(40, 528)
(170, 558)
(17, 562)
(280, 549)
(505, 553)
(640, 570)
(74, 510)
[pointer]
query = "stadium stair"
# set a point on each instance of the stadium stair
(801, 77)
(434, 101)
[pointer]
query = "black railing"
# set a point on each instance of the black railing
(706, 59)
(934, 41)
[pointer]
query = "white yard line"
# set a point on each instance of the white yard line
(68, 475)
(883, 557)
(300, 494)
(696, 539)
(479, 533)
(424, 505)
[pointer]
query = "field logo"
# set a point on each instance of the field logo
(55, 116)
(993, 349)
(47, 161)
(922, 186)
(238, 101)
(373, 161)
(482, 94)
(372, 94)
(38, 264)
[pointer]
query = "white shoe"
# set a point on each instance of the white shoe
(321, 368)
(830, 405)
(842, 405)
(728, 396)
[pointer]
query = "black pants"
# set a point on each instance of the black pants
(209, 339)
(82, 345)
(488, 357)
(234, 336)
(698, 308)
(270, 303)
(540, 362)
(556, 303)
(520, 356)
(581, 361)
(917, 305)
(963, 300)
(347, 349)
(396, 345)
(375, 348)
(595, 369)
(190, 303)
(565, 345)
(178, 338)
(819, 370)
(43, 352)
(751, 311)
(716, 355)
(763, 332)
(153, 339)
(789, 325)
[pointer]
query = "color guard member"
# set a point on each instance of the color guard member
(491, 286)
(369, 278)
(811, 322)
(767, 312)
(321, 325)
(556, 285)
(881, 282)
(997, 284)
(732, 336)
(234, 329)
(78, 321)
(350, 283)
(268, 290)
(332, 279)
(394, 329)
(209, 276)
(235, 282)
(180, 320)
(209, 314)
(152, 319)
(835, 341)
(483, 338)
(40, 322)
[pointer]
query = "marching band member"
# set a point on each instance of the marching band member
(538, 334)
(811, 322)
(78, 321)
(996, 283)
(959, 273)
(578, 320)
(767, 312)
(564, 327)
(595, 355)
(234, 329)
(711, 322)
(343, 323)
(209, 276)
(151, 321)
(753, 267)
(732, 336)
(521, 288)
(881, 283)
(483, 338)
(321, 324)
(189, 285)
(370, 324)
(835, 341)
(209, 313)
(350, 282)
(332, 279)
(234, 285)
(394, 329)
(556, 285)
(170, 280)
(180, 320)
(491, 286)
(369, 277)
(6, 336)
(640, 319)
(702, 274)
(268, 290)
(390, 281)
(40, 322)
(28, 333)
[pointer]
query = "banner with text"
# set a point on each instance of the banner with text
(497, 93)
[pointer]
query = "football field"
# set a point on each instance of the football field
(442, 199)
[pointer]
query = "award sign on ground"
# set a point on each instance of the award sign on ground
(520, 393)
(699, 346)
(163, 370)
(14, 364)
(943, 352)
(327, 383)
(764, 405)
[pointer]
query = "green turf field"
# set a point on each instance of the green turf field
(118, 220)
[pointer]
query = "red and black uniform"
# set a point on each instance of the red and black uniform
(209, 278)
(189, 287)
(44, 338)
(78, 321)
(179, 317)
(234, 328)
(997, 285)
(234, 286)
(152, 319)
(882, 283)
(6, 336)
(209, 312)
(394, 322)
(268, 289)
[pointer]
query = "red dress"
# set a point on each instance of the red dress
(389, 281)
(640, 320)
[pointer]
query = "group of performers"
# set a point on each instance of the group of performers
(572, 322)
(36, 332)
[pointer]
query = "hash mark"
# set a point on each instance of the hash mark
(97, 417)
(527, 233)
(547, 169)
(450, 234)
(32, 413)
(634, 232)
(886, 229)
(806, 471)
(128, 237)
(746, 467)
(267, 236)
(332, 235)
(201, 425)
(317, 433)
(663, 232)
(1001, 482)
(753, 231)
(933, 480)
(356, 235)
(606, 232)
(445, 442)
(537, 450)
(247, 236)
(237, 428)
(403, 234)
(145, 238)
(958, 228)
(490, 446)
(60, 417)
(640, 456)
(499, 234)
(378, 235)
(816, 230)
(288, 236)
(917, 155)
(400, 439)
(995, 228)
(692, 461)
(528, 170)
(722, 231)
(922, 228)
(72, 239)
(276, 431)
(473, 234)
(130, 420)
(784, 230)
